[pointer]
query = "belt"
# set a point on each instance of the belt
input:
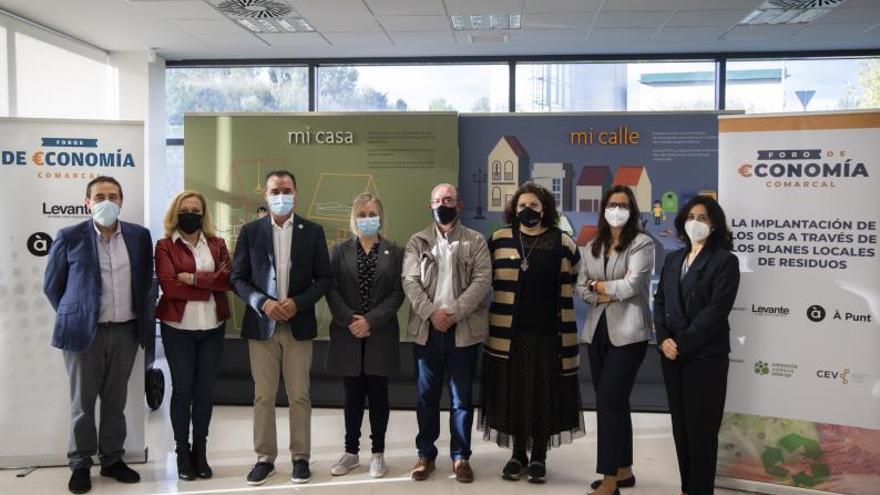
(106, 324)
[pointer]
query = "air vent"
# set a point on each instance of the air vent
(789, 11)
(480, 22)
(264, 16)
(255, 9)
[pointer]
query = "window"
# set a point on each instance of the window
(636, 86)
(496, 171)
(4, 76)
(462, 88)
(508, 171)
(792, 85)
(57, 83)
(233, 89)
(496, 197)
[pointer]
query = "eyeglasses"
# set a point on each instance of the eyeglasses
(622, 206)
(447, 201)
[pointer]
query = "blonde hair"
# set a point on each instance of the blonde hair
(171, 214)
(359, 201)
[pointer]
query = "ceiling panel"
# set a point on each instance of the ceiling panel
(208, 27)
(414, 22)
(556, 6)
(848, 30)
(631, 5)
(484, 6)
(344, 24)
(631, 19)
(190, 9)
(852, 14)
(285, 40)
(555, 36)
(622, 34)
(243, 40)
(570, 20)
(406, 7)
(707, 18)
(748, 5)
(763, 32)
(689, 33)
(422, 38)
(354, 39)
(513, 36)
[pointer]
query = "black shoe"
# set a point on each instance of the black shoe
(627, 483)
(120, 472)
(200, 462)
(514, 470)
(537, 472)
(185, 470)
(260, 472)
(301, 473)
(80, 480)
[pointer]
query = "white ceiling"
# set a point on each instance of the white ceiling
(193, 29)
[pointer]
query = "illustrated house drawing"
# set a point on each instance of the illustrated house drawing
(636, 178)
(558, 179)
(508, 167)
(592, 182)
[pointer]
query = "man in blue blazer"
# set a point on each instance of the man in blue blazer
(98, 280)
(281, 269)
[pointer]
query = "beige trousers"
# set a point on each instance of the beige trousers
(281, 355)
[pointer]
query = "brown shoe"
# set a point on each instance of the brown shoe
(423, 468)
(463, 471)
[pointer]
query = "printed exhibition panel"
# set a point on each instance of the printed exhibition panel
(666, 158)
(335, 157)
(803, 402)
(45, 166)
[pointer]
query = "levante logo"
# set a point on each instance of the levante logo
(802, 169)
(67, 158)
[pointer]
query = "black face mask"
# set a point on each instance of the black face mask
(444, 215)
(189, 223)
(528, 217)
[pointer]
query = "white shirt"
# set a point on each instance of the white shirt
(198, 315)
(117, 305)
(444, 253)
(282, 237)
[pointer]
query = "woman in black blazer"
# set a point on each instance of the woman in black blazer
(364, 297)
(696, 293)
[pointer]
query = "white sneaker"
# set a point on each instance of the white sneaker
(345, 464)
(378, 468)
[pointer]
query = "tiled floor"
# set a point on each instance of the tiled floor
(569, 467)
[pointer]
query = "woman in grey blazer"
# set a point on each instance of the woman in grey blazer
(615, 280)
(364, 297)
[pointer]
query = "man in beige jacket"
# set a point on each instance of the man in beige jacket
(447, 275)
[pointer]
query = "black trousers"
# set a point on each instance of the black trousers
(357, 390)
(194, 359)
(696, 392)
(614, 371)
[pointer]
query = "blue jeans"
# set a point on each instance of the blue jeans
(436, 360)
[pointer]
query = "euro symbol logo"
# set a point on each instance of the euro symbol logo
(745, 170)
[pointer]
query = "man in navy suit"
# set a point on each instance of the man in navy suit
(98, 280)
(281, 269)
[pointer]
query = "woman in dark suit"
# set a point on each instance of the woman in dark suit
(696, 293)
(364, 297)
(192, 265)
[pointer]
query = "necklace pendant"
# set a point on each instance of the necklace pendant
(524, 265)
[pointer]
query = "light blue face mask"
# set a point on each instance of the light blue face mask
(369, 226)
(105, 213)
(281, 204)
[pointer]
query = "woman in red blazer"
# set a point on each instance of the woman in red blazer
(193, 267)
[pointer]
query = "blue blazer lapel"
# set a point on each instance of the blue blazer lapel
(296, 240)
(91, 245)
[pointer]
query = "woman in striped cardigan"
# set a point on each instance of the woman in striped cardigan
(529, 399)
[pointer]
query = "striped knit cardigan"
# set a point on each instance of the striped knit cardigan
(505, 282)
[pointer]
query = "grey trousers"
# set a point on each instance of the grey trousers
(101, 371)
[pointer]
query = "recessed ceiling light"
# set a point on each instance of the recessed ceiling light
(478, 22)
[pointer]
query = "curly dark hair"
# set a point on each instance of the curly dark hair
(549, 215)
(631, 228)
(720, 236)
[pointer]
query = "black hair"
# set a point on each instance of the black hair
(720, 236)
(102, 178)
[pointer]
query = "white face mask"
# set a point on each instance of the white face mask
(697, 231)
(616, 217)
